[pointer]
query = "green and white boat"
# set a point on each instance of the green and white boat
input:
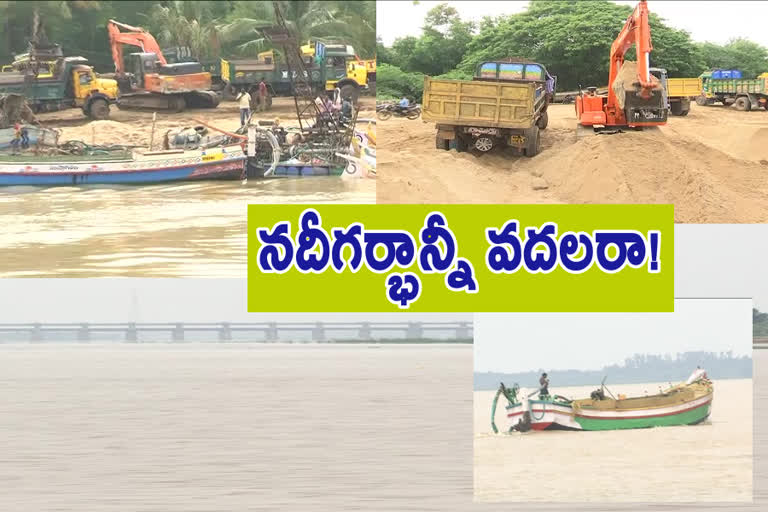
(687, 403)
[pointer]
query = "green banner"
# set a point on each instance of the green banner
(460, 258)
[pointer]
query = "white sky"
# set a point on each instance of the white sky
(716, 21)
(518, 342)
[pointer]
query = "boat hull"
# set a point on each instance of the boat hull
(690, 413)
(224, 164)
(543, 415)
(550, 415)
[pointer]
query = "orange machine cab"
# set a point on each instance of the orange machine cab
(589, 109)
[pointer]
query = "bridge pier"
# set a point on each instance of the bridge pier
(84, 333)
(318, 332)
(131, 334)
(415, 330)
(271, 332)
(178, 333)
(37, 333)
(225, 333)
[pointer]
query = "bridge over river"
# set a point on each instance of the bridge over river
(271, 332)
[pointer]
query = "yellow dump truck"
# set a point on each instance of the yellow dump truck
(680, 91)
(505, 104)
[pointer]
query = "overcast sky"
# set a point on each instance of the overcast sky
(519, 342)
(704, 20)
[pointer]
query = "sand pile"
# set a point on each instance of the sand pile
(679, 164)
(627, 81)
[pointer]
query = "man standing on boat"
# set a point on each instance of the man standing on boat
(544, 385)
(20, 137)
(244, 100)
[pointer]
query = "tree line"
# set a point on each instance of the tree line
(210, 29)
(637, 369)
(572, 39)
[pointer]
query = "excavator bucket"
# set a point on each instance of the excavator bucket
(640, 106)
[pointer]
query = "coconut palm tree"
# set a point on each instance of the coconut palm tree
(313, 19)
(182, 24)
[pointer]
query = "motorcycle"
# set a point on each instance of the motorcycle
(388, 110)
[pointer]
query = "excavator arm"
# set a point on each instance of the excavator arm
(135, 36)
(636, 31)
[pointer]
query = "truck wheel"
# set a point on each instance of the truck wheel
(442, 144)
(532, 141)
(684, 113)
(98, 109)
(701, 100)
(350, 92)
(543, 121)
(676, 109)
(484, 144)
(178, 103)
(742, 104)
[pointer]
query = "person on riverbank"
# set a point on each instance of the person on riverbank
(244, 100)
(20, 138)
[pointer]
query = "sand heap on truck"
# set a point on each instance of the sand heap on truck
(628, 82)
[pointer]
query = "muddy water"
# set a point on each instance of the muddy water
(708, 462)
(181, 230)
(315, 428)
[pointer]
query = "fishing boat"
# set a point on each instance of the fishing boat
(687, 403)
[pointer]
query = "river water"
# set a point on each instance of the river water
(707, 462)
(180, 230)
(167, 428)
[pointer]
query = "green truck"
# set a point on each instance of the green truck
(743, 93)
(59, 83)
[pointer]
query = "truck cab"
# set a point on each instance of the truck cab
(661, 74)
(342, 69)
(91, 93)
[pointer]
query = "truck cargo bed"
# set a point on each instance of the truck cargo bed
(683, 87)
(493, 104)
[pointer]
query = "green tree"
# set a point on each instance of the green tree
(323, 21)
(743, 54)
(759, 323)
(441, 46)
(393, 82)
(573, 39)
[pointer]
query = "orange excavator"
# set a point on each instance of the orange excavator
(635, 97)
(146, 80)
